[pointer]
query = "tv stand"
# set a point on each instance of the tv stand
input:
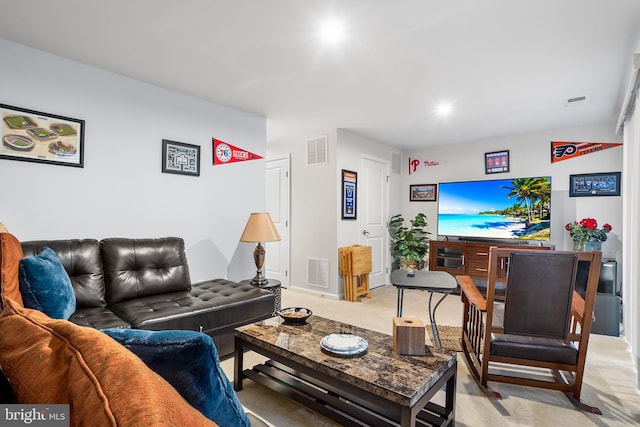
(467, 257)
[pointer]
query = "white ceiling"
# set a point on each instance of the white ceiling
(507, 66)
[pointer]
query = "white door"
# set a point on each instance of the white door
(277, 205)
(373, 192)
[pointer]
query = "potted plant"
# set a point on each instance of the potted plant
(586, 235)
(409, 243)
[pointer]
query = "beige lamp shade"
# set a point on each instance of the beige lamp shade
(260, 228)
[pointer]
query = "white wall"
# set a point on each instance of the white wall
(313, 207)
(351, 147)
(317, 230)
(530, 155)
(121, 190)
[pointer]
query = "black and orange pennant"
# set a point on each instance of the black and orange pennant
(562, 150)
(224, 153)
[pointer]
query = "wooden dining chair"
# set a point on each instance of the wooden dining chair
(542, 323)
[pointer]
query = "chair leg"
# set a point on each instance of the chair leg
(575, 399)
(469, 360)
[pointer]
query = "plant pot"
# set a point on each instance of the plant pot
(592, 245)
(409, 265)
(587, 246)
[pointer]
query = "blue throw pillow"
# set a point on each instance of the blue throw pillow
(189, 361)
(45, 285)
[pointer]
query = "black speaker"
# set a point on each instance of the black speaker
(607, 313)
(608, 283)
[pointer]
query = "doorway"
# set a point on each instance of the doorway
(373, 205)
(277, 191)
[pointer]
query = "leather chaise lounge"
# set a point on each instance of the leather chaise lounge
(145, 284)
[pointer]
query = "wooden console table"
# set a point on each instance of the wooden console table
(466, 258)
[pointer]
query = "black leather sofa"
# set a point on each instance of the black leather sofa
(145, 284)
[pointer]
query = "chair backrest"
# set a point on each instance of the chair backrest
(540, 287)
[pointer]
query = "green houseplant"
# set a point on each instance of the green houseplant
(409, 243)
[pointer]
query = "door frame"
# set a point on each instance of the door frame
(385, 213)
(287, 235)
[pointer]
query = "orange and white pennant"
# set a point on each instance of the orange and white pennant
(561, 150)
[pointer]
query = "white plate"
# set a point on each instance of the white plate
(344, 345)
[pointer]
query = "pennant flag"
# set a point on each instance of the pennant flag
(224, 153)
(561, 150)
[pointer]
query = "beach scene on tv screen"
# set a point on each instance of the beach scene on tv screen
(517, 208)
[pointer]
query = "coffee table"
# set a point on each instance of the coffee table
(379, 388)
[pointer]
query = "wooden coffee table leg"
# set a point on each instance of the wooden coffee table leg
(237, 365)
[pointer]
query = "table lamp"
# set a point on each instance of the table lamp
(259, 229)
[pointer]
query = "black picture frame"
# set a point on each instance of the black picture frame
(349, 194)
(595, 184)
(496, 162)
(180, 158)
(423, 192)
(36, 136)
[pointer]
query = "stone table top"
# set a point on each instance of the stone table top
(399, 378)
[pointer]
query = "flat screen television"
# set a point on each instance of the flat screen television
(516, 209)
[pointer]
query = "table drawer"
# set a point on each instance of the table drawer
(478, 255)
(478, 268)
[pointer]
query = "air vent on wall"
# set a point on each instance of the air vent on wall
(317, 151)
(396, 163)
(318, 272)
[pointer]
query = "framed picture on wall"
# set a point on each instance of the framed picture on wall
(349, 194)
(180, 158)
(423, 192)
(34, 136)
(594, 184)
(496, 162)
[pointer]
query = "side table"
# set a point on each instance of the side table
(431, 281)
(274, 287)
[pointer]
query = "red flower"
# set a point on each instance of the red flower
(587, 229)
(589, 223)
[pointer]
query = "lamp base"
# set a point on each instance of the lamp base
(259, 280)
(258, 257)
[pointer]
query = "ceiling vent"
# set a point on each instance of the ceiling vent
(317, 151)
(578, 100)
(396, 163)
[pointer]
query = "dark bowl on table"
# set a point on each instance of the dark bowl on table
(295, 315)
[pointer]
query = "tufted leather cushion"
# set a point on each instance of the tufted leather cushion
(236, 304)
(136, 268)
(81, 259)
(98, 318)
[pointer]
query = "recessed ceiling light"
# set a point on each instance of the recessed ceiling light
(444, 109)
(332, 31)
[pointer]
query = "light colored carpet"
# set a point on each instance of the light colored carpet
(608, 383)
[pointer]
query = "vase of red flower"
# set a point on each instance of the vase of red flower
(586, 235)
